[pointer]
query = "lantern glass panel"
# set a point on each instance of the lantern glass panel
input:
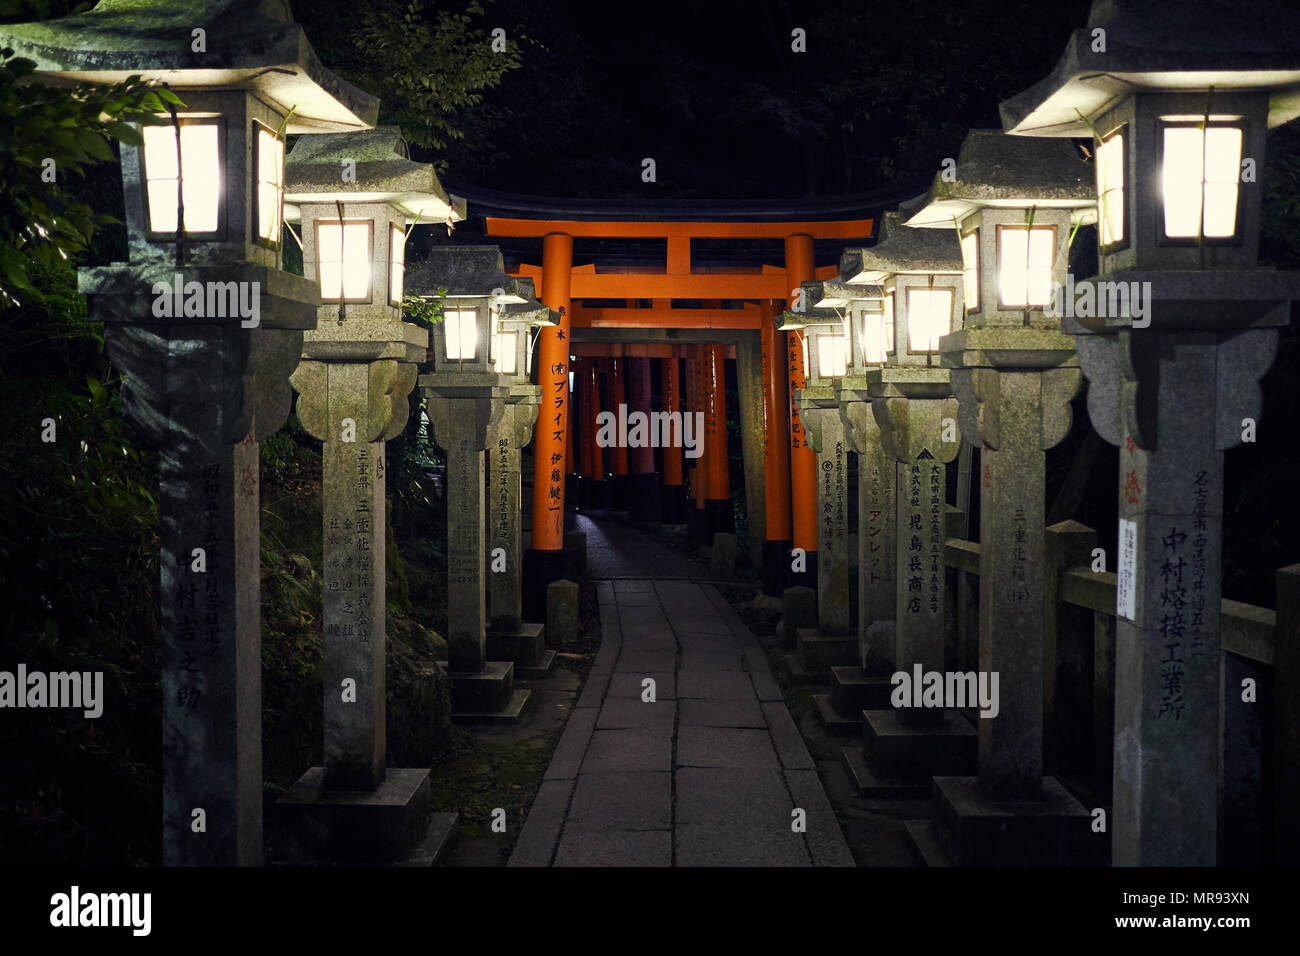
(343, 260)
(461, 328)
(270, 184)
(1025, 265)
(833, 352)
(929, 317)
(876, 336)
(970, 268)
(396, 263)
(504, 346)
(199, 176)
(1200, 176)
(1110, 189)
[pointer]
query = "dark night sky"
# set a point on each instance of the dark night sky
(713, 92)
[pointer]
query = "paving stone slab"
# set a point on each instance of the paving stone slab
(716, 685)
(716, 846)
(567, 759)
(541, 832)
(825, 839)
(632, 713)
(725, 747)
(639, 800)
(732, 798)
(593, 692)
(644, 662)
(786, 737)
(685, 623)
(629, 685)
(710, 660)
(637, 749)
(616, 848)
(722, 713)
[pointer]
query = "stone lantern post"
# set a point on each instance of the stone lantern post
(1173, 335)
(466, 397)
(355, 195)
(919, 273)
(1013, 203)
(509, 636)
(205, 328)
(825, 340)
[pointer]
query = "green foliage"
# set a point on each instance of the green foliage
(424, 312)
(428, 69)
(46, 134)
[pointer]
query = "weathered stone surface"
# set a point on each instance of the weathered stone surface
(877, 521)
(722, 558)
(826, 436)
(506, 440)
(562, 611)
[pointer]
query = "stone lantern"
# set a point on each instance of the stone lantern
(913, 421)
(205, 328)
(1013, 203)
(825, 339)
(509, 636)
(466, 397)
(354, 195)
(1173, 335)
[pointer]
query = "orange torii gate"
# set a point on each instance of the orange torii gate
(771, 359)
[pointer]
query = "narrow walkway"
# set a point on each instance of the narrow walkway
(709, 773)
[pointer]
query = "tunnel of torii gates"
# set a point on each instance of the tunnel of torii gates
(624, 329)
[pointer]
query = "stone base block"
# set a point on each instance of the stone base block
(924, 842)
(353, 826)
(486, 691)
(575, 547)
(807, 578)
(509, 714)
(820, 652)
(977, 831)
(852, 692)
(832, 721)
(524, 646)
(437, 841)
(895, 750)
(539, 669)
(797, 673)
(867, 784)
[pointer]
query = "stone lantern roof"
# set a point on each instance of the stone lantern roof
(999, 170)
(384, 173)
(1164, 45)
(902, 249)
(814, 316)
(465, 272)
(530, 311)
(251, 45)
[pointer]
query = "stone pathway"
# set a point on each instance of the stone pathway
(708, 774)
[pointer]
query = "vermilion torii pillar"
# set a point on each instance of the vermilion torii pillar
(803, 460)
(545, 561)
(674, 493)
(718, 509)
(642, 483)
(618, 455)
(776, 453)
